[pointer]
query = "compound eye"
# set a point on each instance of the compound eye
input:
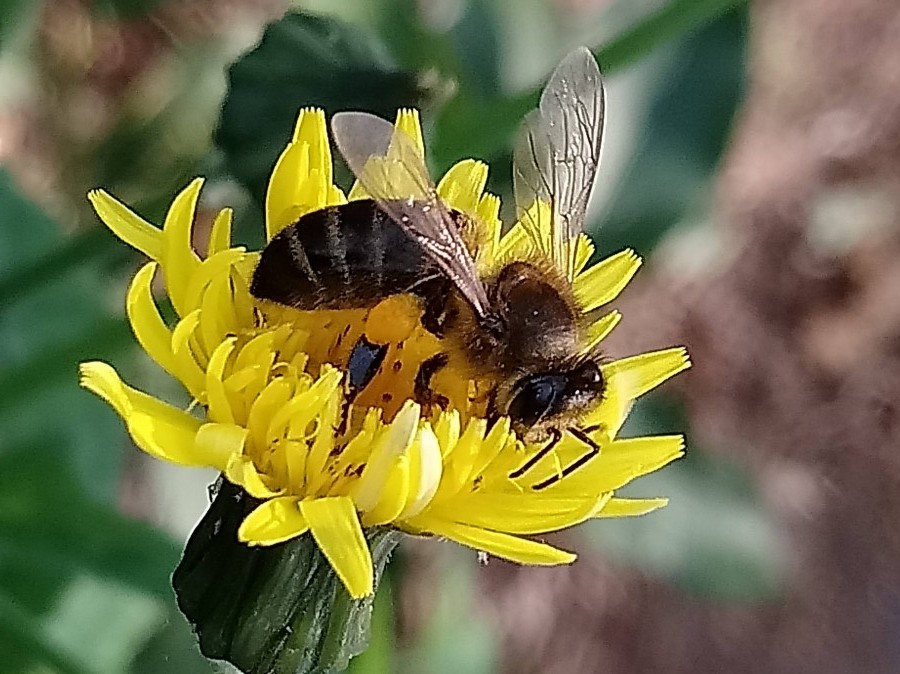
(536, 397)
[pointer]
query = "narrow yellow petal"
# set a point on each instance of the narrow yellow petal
(639, 374)
(243, 303)
(127, 225)
(583, 252)
(188, 370)
(274, 521)
(605, 280)
(312, 130)
(497, 439)
(293, 418)
(600, 329)
(532, 512)
(220, 235)
(148, 326)
(271, 399)
(168, 437)
(394, 442)
(156, 427)
(179, 261)
(505, 546)
(211, 269)
(462, 186)
(620, 462)
(336, 528)
(242, 472)
(291, 170)
(216, 444)
(393, 497)
(408, 123)
(447, 430)
(219, 408)
(426, 467)
(323, 444)
(216, 315)
(630, 507)
(458, 464)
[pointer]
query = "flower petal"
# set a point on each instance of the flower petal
(644, 372)
(396, 441)
(242, 472)
(282, 204)
(220, 234)
(630, 507)
(179, 261)
(127, 225)
(219, 408)
(506, 546)
(274, 521)
(393, 496)
(148, 326)
(408, 122)
(188, 369)
(216, 444)
(532, 512)
(605, 280)
(158, 428)
(462, 185)
(600, 329)
(620, 462)
(335, 526)
(426, 466)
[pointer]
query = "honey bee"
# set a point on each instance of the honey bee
(519, 327)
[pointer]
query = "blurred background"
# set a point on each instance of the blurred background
(752, 157)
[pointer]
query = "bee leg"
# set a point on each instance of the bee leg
(422, 387)
(576, 464)
(542, 452)
(582, 434)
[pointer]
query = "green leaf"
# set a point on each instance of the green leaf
(684, 133)
(468, 127)
(303, 60)
(81, 587)
(715, 539)
(17, 17)
(672, 20)
(47, 522)
(54, 314)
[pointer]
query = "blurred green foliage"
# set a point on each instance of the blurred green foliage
(85, 589)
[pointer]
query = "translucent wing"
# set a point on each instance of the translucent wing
(556, 157)
(389, 166)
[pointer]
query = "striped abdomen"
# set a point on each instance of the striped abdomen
(346, 256)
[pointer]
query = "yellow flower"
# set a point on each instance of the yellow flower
(274, 419)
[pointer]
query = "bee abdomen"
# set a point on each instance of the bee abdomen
(346, 256)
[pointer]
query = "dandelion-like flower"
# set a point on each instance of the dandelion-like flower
(269, 396)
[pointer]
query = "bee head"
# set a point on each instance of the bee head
(537, 401)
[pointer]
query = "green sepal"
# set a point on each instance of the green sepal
(270, 610)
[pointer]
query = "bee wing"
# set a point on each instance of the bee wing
(387, 163)
(557, 154)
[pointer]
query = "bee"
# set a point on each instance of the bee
(519, 327)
